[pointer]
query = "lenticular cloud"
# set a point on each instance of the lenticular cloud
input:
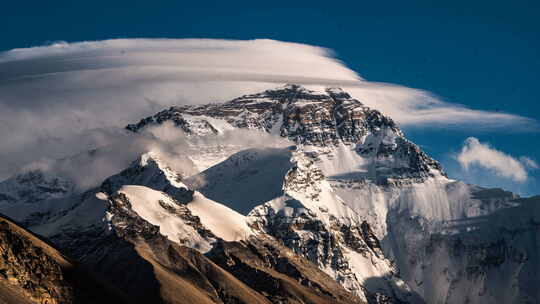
(181, 59)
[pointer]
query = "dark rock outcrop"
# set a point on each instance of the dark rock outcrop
(32, 271)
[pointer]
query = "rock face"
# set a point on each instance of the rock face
(31, 271)
(273, 269)
(312, 222)
(346, 211)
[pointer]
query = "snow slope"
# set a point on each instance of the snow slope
(223, 221)
(158, 209)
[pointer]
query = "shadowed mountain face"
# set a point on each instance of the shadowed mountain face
(344, 210)
(32, 271)
(245, 179)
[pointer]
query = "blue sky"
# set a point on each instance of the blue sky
(483, 54)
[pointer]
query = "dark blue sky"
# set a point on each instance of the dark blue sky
(483, 54)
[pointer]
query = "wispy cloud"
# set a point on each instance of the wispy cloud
(483, 155)
(529, 162)
(419, 108)
(115, 148)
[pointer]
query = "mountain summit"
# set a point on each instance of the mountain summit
(325, 120)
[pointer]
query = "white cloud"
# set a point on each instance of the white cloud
(180, 59)
(113, 149)
(51, 96)
(418, 108)
(528, 162)
(481, 154)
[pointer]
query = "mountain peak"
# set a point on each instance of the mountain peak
(150, 170)
(34, 186)
(290, 86)
(324, 119)
(338, 93)
(149, 158)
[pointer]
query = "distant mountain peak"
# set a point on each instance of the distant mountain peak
(33, 186)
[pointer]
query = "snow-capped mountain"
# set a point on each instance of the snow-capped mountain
(368, 165)
(324, 120)
(33, 186)
(347, 197)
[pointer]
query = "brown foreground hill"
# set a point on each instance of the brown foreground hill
(155, 270)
